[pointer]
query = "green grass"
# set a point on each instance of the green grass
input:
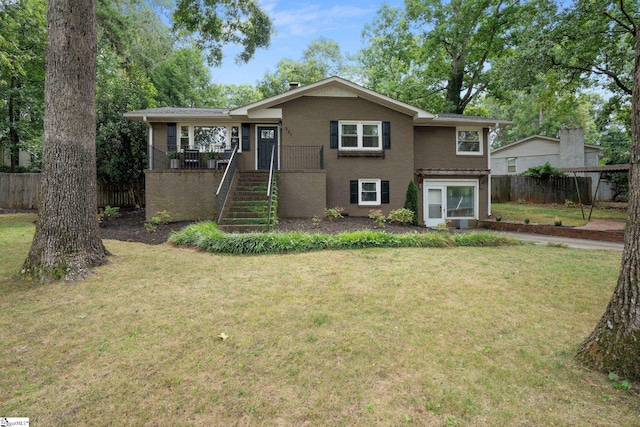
(420, 336)
(545, 214)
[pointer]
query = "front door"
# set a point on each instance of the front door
(433, 205)
(267, 140)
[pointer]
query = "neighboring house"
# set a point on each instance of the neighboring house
(568, 151)
(24, 158)
(336, 144)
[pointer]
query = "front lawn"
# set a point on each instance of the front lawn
(546, 214)
(445, 336)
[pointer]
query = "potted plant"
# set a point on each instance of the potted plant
(211, 157)
(174, 158)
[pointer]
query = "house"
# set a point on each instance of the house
(568, 151)
(24, 158)
(335, 143)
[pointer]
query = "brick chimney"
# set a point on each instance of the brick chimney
(571, 147)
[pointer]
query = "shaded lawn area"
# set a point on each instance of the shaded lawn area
(546, 214)
(464, 336)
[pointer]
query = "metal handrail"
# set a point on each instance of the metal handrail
(226, 170)
(273, 153)
(231, 168)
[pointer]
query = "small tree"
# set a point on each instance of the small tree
(411, 201)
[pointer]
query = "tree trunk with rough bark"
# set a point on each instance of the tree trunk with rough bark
(67, 242)
(614, 345)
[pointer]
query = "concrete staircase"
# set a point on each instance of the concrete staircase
(247, 207)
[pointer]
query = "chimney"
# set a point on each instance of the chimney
(572, 147)
(294, 85)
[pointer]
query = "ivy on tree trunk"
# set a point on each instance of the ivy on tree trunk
(67, 242)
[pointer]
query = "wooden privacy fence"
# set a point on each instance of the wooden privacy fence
(20, 191)
(511, 188)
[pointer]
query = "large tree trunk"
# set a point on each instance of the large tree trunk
(67, 243)
(614, 345)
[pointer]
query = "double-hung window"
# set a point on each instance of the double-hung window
(511, 165)
(469, 141)
(360, 136)
(369, 191)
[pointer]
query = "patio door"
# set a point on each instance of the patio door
(267, 139)
(434, 207)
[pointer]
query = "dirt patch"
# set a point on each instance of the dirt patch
(129, 227)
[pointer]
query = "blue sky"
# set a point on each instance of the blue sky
(297, 23)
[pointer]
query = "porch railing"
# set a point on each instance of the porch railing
(297, 157)
(301, 157)
(225, 183)
(187, 159)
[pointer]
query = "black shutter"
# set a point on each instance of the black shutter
(384, 193)
(334, 136)
(353, 185)
(245, 137)
(171, 137)
(386, 135)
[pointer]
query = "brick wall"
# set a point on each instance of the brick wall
(302, 194)
(187, 195)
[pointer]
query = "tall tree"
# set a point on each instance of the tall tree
(183, 80)
(321, 59)
(449, 46)
(66, 243)
(614, 344)
(219, 22)
(22, 47)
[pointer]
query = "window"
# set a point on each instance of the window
(369, 192)
(360, 136)
(469, 141)
(209, 137)
(461, 201)
(511, 165)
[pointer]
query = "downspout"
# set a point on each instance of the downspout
(150, 143)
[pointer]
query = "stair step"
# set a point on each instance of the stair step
(243, 228)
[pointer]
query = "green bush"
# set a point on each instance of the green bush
(207, 237)
(411, 201)
(545, 171)
(378, 217)
(401, 216)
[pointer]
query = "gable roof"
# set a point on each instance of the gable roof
(529, 138)
(538, 137)
(334, 86)
(330, 87)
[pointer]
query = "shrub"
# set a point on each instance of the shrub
(333, 213)
(526, 220)
(545, 171)
(316, 220)
(569, 203)
(108, 213)
(498, 218)
(557, 222)
(378, 217)
(411, 201)
(401, 216)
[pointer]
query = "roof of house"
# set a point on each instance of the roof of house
(330, 87)
(538, 137)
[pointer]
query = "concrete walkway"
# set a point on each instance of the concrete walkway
(541, 239)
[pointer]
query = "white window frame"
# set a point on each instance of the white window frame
(457, 183)
(480, 141)
(515, 164)
(378, 200)
(360, 135)
(191, 132)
